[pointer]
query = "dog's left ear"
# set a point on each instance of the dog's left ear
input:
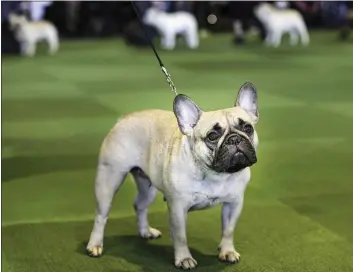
(247, 100)
(187, 113)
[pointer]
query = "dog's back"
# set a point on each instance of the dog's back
(290, 15)
(42, 30)
(145, 131)
(176, 22)
(186, 20)
(266, 12)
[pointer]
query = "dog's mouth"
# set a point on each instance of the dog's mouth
(234, 163)
(240, 161)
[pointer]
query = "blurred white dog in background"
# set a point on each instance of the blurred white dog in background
(29, 33)
(169, 25)
(278, 22)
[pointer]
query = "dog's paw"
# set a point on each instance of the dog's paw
(150, 233)
(186, 263)
(95, 251)
(229, 256)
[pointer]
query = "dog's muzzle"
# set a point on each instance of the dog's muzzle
(235, 154)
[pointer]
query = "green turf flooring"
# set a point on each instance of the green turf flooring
(298, 214)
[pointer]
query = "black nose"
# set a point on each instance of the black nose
(234, 140)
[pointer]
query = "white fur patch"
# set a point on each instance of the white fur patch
(278, 22)
(169, 25)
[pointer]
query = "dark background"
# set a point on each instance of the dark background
(89, 19)
(117, 15)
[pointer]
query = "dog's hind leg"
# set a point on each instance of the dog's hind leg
(53, 43)
(24, 48)
(168, 40)
(304, 35)
(108, 180)
(53, 47)
(276, 38)
(192, 36)
(146, 195)
(30, 49)
(293, 37)
(268, 39)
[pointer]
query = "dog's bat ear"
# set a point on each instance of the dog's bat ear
(187, 113)
(247, 100)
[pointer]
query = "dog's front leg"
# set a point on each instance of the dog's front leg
(24, 48)
(230, 214)
(276, 38)
(268, 39)
(168, 40)
(178, 214)
(30, 49)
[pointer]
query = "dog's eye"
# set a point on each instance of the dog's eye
(212, 136)
(248, 129)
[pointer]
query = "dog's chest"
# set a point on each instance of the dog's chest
(209, 193)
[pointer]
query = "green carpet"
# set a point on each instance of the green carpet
(298, 214)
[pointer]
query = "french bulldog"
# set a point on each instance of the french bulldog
(197, 159)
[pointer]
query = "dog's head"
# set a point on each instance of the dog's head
(263, 10)
(152, 15)
(224, 141)
(16, 21)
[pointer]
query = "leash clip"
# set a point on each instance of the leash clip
(169, 80)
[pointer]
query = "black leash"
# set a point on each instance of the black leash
(164, 70)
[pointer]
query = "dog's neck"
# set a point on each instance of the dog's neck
(195, 166)
(155, 16)
(186, 154)
(17, 27)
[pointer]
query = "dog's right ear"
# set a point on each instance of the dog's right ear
(187, 113)
(247, 100)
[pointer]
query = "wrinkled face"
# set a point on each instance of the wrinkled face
(223, 141)
(228, 143)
